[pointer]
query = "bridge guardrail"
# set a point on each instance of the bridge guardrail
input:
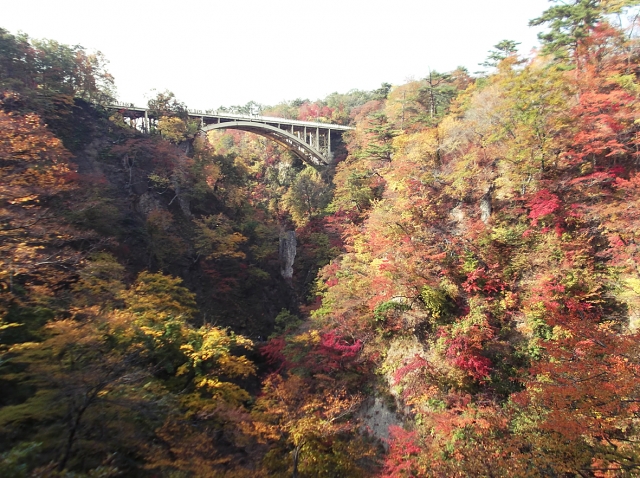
(252, 118)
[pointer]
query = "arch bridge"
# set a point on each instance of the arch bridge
(312, 142)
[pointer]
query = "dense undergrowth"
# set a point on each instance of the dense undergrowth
(465, 298)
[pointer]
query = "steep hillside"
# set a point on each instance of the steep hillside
(464, 298)
(487, 292)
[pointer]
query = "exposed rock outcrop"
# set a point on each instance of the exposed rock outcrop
(486, 206)
(287, 253)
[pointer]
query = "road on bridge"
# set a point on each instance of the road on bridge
(312, 142)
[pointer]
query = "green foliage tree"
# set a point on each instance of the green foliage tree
(381, 133)
(307, 196)
(382, 92)
(501, 51)
(215, 238)
(101, 281)
(436, 94)
(165, 103)
(45, 71)
(104, 370)
(570, 23)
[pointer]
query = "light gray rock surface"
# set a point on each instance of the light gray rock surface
(287, 253)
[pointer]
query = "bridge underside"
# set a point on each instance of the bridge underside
(318, 153)
(311, 142)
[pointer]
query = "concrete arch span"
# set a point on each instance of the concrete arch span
(304, 151)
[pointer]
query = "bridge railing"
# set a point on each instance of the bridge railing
(242, 117)
(123, 104)
(272, 119)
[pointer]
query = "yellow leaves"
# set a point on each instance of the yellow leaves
(33, 164)
(24, 138)
(420, 147)
(616, 6)
(174, 129)
(463, 175)
(628, 83)
(211, 384)
(215, 238)
(313, 336)
(543, 378)
(23, 199)
(159, 181)
(4, 325)
(32, 160)
(307, 196)
(401, 106)
(100, 281)
(448, 131)
(21, 347)
(289, 407)
(155, 296)
(630, 295)
(209, 356)
(232, 243)
(154, 327)
(242, 341)
(633, 283)
(508, 301)
(229, 392)
(560, 333)
(184, 368)
(236, 366)
(152, 332)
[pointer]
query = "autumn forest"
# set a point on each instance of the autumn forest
(465, 294)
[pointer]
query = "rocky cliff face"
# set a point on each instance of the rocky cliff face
(287, 253)
(485, 208)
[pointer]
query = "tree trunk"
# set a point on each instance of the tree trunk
(296, 460)
(74, 429)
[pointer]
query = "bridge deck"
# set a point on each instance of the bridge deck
(210, 117)
(312, 142)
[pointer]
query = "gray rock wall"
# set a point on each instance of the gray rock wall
(287, 253)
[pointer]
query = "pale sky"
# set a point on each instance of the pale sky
(228, 52)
